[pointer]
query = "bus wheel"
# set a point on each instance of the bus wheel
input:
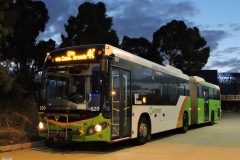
(143, 131)
(48, 142)
(212, 119)
(185, 123)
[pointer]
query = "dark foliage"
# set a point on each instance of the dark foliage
(141, 47)
(181, 46)
(90, 26)
(20, 45)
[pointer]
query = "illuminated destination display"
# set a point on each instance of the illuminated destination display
(72, 55)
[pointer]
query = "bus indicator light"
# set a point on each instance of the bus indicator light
(41, 126)
(113, 93)
(144, 100)
(99, 52)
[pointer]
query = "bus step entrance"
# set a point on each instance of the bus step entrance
(115, 130)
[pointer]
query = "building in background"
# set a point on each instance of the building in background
(229, 84)
(230, 90)
(210, 76)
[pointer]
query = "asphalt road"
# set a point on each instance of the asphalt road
(218, 142)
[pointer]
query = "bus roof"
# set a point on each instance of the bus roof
(109, 50)
(203, 82)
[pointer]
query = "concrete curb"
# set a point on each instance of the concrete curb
(14, 147)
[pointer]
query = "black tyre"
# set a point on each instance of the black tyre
(143, 131)
(49, 142)
(185, 123)
(212, 119)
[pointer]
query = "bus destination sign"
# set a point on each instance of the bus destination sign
(72, 55)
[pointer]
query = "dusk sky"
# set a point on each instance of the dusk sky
(217, 20)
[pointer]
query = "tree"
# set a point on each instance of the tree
(41, 49)
(90, 26)
(181, 47)
(6, 81)
(8, 17)
(141, 47)
(20, 45)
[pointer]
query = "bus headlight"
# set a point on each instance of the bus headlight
(41, 126)
(96, 128)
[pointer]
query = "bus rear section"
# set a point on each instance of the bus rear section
(205, 101)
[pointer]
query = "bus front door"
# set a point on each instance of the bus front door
(206, 105)
(121, 104)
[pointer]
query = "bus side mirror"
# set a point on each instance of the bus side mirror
(104, 65)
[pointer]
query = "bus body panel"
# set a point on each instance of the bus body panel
(215, 106)
(200, 110)
(162, 118)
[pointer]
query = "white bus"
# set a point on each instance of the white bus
(120, 96)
